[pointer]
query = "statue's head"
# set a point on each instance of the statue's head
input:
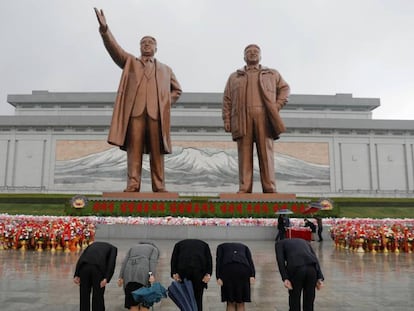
(148, 46)
(252, 54)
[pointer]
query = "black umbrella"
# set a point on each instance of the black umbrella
(182, 294)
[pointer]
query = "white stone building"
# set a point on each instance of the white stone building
(56, 142)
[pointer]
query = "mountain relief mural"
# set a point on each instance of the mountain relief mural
(188, 170)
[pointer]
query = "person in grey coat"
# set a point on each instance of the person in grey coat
(138, 269)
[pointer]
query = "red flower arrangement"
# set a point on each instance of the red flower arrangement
(374, 235)
(45, 233)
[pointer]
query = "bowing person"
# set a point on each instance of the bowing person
(300, 271)
(191, 259)
(138, 269)
(234, 272)
(94, 269)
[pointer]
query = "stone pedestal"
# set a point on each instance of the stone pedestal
(266, 197)
(141, 195)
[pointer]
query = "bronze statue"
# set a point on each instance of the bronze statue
(142, 111)
(252, 99)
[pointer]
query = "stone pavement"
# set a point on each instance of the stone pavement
(33, 280)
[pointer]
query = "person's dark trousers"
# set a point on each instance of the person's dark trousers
(198, 294)
(90, 278)
(198, 286)
(281, 235)
(303, 280)
(320, 234)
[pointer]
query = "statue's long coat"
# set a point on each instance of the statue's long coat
(168, 89)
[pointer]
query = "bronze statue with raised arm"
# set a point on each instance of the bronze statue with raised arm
(142, 110)
(252, 99)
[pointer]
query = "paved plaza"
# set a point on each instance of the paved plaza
(31, 280)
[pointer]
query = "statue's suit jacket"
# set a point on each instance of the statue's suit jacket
(168, 92)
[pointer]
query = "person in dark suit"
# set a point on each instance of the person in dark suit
(320, 227)
(234, 272)
(94, 269)
(311, 226)
(300, 271)
(281, 228)
(191, 259)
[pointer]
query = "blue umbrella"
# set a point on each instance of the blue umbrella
(182, 294)
(149, 295)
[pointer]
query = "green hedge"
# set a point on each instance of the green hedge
(35, 198)
(376, 203)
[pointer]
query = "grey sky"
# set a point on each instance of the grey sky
(363, 47)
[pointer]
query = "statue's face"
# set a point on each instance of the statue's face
(252, 55)
(148, 46)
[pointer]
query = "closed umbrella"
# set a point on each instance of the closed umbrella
(182, 294)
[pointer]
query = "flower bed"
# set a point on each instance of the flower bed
(45, 233)
(373, 235)
(74, 233)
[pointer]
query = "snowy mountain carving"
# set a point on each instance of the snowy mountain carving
(186, 168)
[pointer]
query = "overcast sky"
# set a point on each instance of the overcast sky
(323, 47)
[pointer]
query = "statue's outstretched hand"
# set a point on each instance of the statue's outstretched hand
(101, 19)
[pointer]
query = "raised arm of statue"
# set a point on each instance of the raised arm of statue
(103, 26)
(117, 53)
